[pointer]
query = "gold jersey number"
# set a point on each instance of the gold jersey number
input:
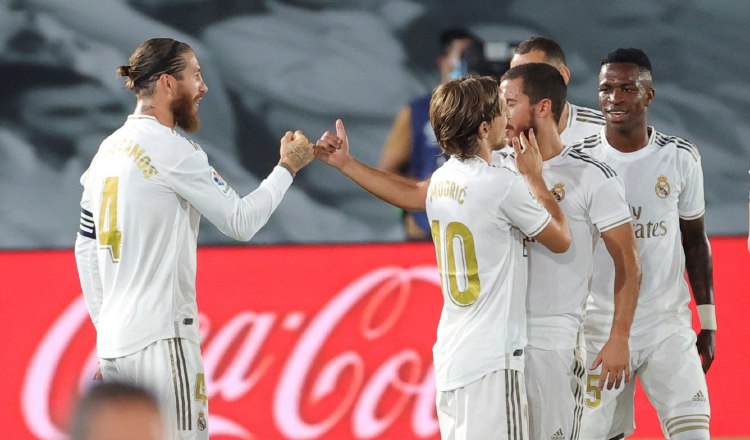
(110, 238)
(461, 257)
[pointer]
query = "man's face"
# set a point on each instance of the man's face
(521, 111)
(499, 123)
(624, 94)
(190, 90)
(452, 57)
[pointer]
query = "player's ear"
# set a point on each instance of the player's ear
(565, 72)
(483, 130)
(167, 83)
(544, 107)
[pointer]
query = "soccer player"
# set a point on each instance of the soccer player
(479, 214)
(664, 187)
(576, 122)
(593, 200)
(143, 197)
(411, 148)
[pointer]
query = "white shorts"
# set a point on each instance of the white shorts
(554, 385)
(670, 374)
(171, 369)
(494, 407)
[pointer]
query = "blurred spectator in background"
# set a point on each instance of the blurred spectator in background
(117, 411)
(411, 148)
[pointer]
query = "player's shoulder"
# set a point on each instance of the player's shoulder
(588, 144)
(580, 161)
(681, 146)
(586, 115)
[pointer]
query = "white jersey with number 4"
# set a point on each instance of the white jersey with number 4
(582, 122)
(143, 196)
(663, 184)
(479, 215)
(592, 198)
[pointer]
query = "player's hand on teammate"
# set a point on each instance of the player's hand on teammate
(333, 149)
(615, 361)
(528, 158)
(296, 150)
(706, 348)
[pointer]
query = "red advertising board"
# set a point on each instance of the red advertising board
(301, 342)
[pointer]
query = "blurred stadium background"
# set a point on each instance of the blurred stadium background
(273, 66)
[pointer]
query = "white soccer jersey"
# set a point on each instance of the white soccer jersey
(143, 197)
(582, 122)
(593, 200)
(663, 184)
(476, 211)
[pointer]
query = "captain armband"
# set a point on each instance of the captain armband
(707, 316)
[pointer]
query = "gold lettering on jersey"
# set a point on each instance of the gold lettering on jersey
(647, 229)
(133, 151)
(651, 229)
(448, 189)
(558, 191)
(662, 187)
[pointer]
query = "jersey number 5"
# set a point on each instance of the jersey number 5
(110, 238)
(461, 257)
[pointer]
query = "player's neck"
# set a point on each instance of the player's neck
(484, 152)
(564, 118)
(627, 141)
(548, 139)
(160, 111)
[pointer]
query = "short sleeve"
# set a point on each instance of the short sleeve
(608, 206)
(691, 202)
(522, 210)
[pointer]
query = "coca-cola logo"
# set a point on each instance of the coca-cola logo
(361, 362)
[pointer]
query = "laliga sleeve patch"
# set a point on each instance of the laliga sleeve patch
(220, 183)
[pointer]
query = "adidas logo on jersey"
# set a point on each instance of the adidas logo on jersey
(699, 397)
(558, 435)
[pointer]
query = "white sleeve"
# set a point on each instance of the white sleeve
(87, 263)
(240, 218)
(523, 210)
(608, 207)
(691, 201)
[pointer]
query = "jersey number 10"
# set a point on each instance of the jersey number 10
(461, 257)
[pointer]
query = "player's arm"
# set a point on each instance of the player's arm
(403, 192)
(556, 235)
(700, 273)
(615, 355)
(397, 148)
(239, 217)
(87, 263)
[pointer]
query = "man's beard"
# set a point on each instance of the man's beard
(185, 115)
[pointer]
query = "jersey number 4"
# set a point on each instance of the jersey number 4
(460, 262)
(110, 238)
